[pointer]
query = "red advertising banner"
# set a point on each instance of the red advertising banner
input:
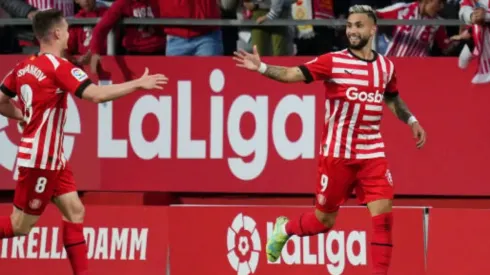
(231, 240)
(217, 128)
(120, 240)
(458, 241)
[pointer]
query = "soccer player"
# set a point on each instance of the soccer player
(42, 83)
(357, 81)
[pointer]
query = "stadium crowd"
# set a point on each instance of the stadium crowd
(90, 43)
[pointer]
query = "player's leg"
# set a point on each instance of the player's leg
(376, 190)
(68, 202)
(32, 193)
(334, 181)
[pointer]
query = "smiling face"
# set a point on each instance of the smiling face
(361, 27)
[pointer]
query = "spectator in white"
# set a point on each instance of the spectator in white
(275, 41)
(28, 8)
(415, 40)
(476, 14)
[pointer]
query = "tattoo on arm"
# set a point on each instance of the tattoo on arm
(398, 107)
(284, 74)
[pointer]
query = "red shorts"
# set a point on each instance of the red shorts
(337, 178)
(36, 187)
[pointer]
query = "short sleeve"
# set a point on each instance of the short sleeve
(8, 85)
(72, 79)
(319, 68)
(392, 86)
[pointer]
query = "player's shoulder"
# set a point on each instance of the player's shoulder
(328, 57)
(387, 64)
(46, 62)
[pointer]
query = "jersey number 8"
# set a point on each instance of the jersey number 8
(41, 185)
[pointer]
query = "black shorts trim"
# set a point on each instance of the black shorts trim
(18, 208)
(7, 91)
(81, 88)
(74, 244)
(306, 73)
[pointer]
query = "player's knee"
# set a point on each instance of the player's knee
(328, 219)
(380, 207)
(21, 228)
(76, 213)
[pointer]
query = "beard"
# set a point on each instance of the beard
(359, 45)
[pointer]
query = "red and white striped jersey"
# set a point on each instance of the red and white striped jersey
(354, 91)
(66, 6)
(411, 40)
(480, 36)
(41, 84)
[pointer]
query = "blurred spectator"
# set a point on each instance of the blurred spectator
(193, 40)
(136, 40)
(229, 33)
(275, 41)
(80, 36)
(27, 9)
(415, 40)
(24, 34)
(314, 40)
(476, 14)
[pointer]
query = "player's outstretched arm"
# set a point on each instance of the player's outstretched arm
(400, 109)
(8, 109)
(99, 94)
(282, 74)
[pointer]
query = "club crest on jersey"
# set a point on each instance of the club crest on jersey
(35, 204)
(79, 74)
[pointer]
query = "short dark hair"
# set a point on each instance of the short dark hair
(44, 21)
(365, 9)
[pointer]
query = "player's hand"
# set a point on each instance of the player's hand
(478, 16)
(154, 81)
(94, 62)
(419, 134)
(262, 19)
(85, 59)
(247, 60)
(465, 35)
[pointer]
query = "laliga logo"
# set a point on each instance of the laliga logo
(244, 246)
(9, 148)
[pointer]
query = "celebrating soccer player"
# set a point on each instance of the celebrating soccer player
(42, 83)
(357, 81)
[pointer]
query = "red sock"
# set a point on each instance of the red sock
(6, 230)
(382, 243)
(305, 225)
(75, 246)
